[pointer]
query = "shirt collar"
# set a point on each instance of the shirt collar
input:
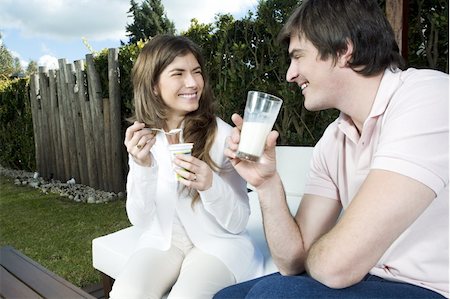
(388, 86)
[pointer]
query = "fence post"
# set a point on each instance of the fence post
(77, 124)
(116, 119)
(96, 102)
(107, 138)
(34, 103)
(83, 99)
(67, 128)
(56, 131)
(45, 129)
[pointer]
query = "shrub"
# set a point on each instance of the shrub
(16, 126)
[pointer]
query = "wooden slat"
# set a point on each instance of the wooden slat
(69, 126)
(34, 90)
(96, 102)
(107, 141)
(39, 279)
(83, 99)
(11, 287)
(116, 120)
(63, 120)
(47, 140)
(56, 130)
(77, 124)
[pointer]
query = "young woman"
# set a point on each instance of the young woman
(194, 241)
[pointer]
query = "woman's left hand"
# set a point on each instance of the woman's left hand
(194, 172)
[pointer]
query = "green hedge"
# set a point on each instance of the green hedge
(16, 129)
(241, 55)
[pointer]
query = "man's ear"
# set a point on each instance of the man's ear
(346, 55)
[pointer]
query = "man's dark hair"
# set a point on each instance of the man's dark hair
(331, 24)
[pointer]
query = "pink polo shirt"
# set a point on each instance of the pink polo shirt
(406, 132)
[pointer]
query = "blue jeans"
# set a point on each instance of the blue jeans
(303, 286)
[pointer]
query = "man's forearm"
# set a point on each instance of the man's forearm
(282, 232)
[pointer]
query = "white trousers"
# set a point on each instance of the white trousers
(184, 270)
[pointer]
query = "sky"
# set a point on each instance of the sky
(46, 30)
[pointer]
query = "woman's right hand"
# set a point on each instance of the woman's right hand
(139, 141)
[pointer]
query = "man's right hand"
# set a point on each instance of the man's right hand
(255, 173)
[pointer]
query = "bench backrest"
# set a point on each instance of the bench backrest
(293, 166)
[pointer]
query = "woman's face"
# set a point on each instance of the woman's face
(180, 85)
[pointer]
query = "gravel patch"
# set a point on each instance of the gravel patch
(71, 190)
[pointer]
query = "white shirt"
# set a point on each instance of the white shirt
(216, 225)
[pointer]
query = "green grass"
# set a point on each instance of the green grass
(54, 231)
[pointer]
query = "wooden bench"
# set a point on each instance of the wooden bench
(21, 277)
(110, 252)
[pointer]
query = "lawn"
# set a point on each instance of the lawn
(55, 231)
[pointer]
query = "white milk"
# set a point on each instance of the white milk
(253, 138)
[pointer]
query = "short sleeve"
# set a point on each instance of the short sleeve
(320, 179)
(414, 135)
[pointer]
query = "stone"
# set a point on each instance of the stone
(76, 192)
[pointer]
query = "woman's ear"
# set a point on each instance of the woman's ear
(346, 55)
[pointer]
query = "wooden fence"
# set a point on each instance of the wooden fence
(77, 132)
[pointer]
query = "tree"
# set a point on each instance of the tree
(9, 65)
(149, 19)
(32, 67)
(6, 61)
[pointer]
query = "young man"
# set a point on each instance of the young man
(373, 222)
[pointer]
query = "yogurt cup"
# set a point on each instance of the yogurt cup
(180, 149)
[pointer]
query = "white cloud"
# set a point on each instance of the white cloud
(181, 11)
(103, 19)
(56, 27)
(48, 61)
(66, 19)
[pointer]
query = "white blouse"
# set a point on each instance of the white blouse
(216, 224)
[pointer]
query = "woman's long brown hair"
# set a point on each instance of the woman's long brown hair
(199, 126)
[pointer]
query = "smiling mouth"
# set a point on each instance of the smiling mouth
(304, 85)
(188, 95)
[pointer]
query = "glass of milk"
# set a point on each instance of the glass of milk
(261, 111)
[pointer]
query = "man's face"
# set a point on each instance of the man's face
(318, 79)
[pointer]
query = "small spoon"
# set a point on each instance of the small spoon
(171, 132)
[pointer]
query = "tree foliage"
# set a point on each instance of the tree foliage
(32, 68)
(244, 55)
(241, 55)
(16, 127)
(149, 19)
(428, 34)
(9, 65)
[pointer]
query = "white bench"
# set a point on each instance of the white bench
(110, 252)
